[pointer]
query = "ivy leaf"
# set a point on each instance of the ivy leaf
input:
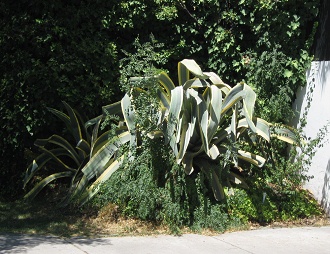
(288, 73)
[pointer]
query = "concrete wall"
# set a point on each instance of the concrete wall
(318, 77)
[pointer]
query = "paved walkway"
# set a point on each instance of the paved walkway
(267, 240)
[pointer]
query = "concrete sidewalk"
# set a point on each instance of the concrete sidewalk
(266, 240)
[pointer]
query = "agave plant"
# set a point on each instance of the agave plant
(203, 120)
(89, 160)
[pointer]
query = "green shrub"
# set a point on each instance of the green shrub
(144, 189)
(213, 217)
(155, 188)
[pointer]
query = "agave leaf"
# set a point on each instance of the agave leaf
(75, 126)
(203, 124)
(249, 100)
(179, 126)
(262, 127)
(37, 188)
(62, 116)
(217, 186)
(95, 134)
(225, 89)
(248, 106)
(129, 116)
(214, 110)
(251, 158)
(236, 94)
(190, 116)
(171, 140)
(221, 135)
(112, 109)
(40, 161)
(233, 133)
(174, 113)
(96, 164)
(77, 190)
(61, 142)
(166, 82)
(100, 142)
(202, 116)
(233, 124)
(93, 121)
(183, 74)
(185, 135)
(215, 79)
(237, 179)
(193, 115)
(213, 178)
(195, 83)
(84, 146)
(214, 152)
(166, 86)
(57, 159)
(187, 163)
(82, 119)
(193, 132)
(284, 133)
(78, 184)
(193, 67)
(94, 188)
(164, 99)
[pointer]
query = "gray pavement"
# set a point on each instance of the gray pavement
(265, 240)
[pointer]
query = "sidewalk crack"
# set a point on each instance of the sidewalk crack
(232, 245)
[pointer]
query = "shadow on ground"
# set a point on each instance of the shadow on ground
(42, 218)
(14, 243)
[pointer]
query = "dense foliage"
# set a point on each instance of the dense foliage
(49, 53)
(71, 51)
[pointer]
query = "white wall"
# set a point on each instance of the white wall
(318, 116)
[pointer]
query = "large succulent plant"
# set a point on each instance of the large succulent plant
(203, 120)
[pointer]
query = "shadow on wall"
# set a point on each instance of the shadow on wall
(325, 202)
(325, 69)
(315, 77)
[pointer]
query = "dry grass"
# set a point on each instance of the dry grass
(108, 222)
(40, 218)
